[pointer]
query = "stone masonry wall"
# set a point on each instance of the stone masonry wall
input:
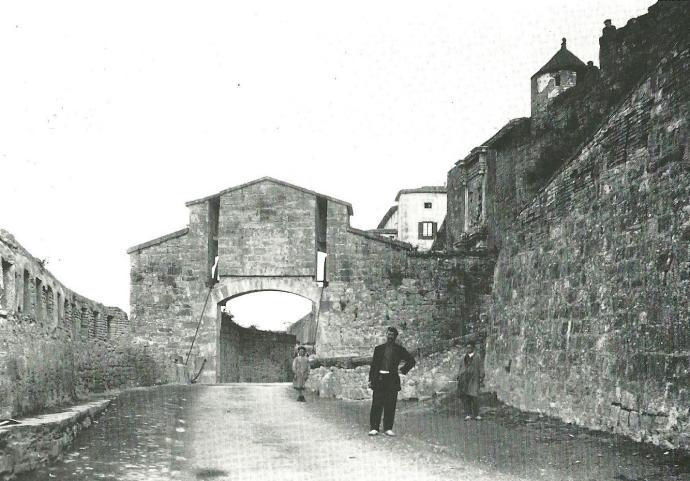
(508, 162)
(590, 314)
(372, 282)
(169, 282)
(252, 355)
(375, 283)
(267, 229)
(55, 345)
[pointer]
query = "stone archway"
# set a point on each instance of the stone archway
(218, 352)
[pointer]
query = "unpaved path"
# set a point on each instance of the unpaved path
(259, 432)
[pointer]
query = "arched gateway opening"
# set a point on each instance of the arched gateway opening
(259, 320)
(258, 334)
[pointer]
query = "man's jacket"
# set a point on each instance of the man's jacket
(400, 354)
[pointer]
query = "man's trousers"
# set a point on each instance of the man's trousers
(384, 400)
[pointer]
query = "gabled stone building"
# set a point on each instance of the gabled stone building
(268, 235)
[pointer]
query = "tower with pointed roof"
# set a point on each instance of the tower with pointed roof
(555, 77)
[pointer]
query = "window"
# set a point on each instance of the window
(427, 230)
(427, 205)
(558, 79)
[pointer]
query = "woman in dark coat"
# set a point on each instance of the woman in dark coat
(470, 377)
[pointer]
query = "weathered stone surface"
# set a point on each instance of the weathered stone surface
(252, 355)
(55, 345)
(41, 439)
(433, 374)
(372, 282)
(590, 301)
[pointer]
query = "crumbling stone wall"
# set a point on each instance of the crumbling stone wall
(589, 318)
(252, 355)
(507, 160)
(55, 345)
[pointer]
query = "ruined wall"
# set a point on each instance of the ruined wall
(55, 345)
(508, 159)
(304, 330)
(252, 355)
(589, 319)
(628, 53)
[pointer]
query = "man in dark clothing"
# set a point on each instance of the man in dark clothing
(385, 381)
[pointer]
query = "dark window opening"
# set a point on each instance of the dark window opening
(94, 327)
(427, 230)
(427, 205)
(321, 223)
(213, 221)
(26, 297)
(60, 308)
(557, 78)
(321, 237)
(49, 304)
(38, 290)
(6, 280)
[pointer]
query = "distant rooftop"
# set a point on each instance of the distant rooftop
(563, 60)
(387, 217)
(429, 189)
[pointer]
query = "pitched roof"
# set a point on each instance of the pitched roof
(158, 240)
(275, 181)
(387, 216)
(428, 189)
(563, 60)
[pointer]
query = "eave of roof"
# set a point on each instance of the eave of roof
(275, 181)
(429, 189)
(564, 59)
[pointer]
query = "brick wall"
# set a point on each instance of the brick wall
(589, 319)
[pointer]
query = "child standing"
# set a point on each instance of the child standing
(300, 367)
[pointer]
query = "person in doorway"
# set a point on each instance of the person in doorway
(300, 368)
(470, 377)
(385, 381)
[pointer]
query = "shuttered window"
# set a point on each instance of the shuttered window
(427, 230)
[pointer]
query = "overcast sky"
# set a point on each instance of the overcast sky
(112, 115)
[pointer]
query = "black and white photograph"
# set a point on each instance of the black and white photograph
(313, 240)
